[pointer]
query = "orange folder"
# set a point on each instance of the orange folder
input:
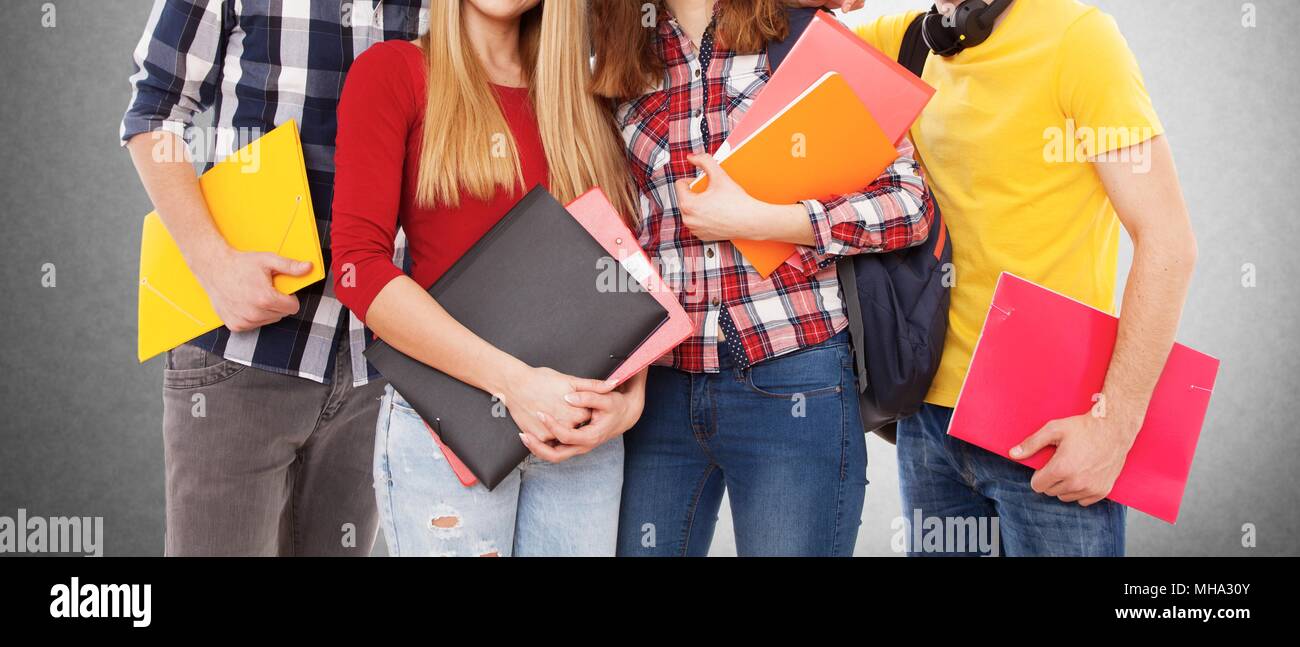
(825, 143)
(1042, 356)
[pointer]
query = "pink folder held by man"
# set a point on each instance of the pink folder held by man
(1044, 356)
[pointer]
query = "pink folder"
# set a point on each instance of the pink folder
(893, 95)
(595, 213)
(1042, 356)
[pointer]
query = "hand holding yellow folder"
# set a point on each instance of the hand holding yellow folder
(259, 202)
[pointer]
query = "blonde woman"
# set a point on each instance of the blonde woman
(441, 136)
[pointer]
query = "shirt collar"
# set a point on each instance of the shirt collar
(669, 30)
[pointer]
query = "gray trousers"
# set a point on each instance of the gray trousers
(265, 464)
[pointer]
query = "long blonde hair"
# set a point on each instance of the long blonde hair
(464, 126)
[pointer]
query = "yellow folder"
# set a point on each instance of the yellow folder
(824, 143)
(259, 201)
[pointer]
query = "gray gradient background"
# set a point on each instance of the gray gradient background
(80, 418)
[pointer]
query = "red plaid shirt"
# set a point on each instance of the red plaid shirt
(798, 306)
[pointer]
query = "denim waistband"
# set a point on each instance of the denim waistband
(727, 361)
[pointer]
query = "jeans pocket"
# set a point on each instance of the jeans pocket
(815, 371)
(400, 403)
(191, 367)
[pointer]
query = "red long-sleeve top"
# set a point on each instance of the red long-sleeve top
(377, 163)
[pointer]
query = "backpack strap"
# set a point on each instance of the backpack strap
(848, 278)
(913, 53)
(799, 19)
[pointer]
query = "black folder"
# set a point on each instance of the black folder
(532, 287)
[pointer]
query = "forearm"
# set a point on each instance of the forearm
(173, 187)
(410, 320)
(1151, 207)
(1152, 306)
(893, 213)
(782, 222)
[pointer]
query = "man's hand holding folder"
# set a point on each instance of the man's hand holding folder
(263, 245)
(1041, 359)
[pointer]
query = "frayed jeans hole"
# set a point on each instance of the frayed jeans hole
(444, 522)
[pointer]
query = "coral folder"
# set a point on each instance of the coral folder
(259, 202)
(825, 143)
(869, 120)
(594, 212)
(893, 95)
(1043, 356)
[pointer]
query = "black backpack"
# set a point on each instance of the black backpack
(897, 302)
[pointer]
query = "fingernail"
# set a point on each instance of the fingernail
(522, 439)
(540, 416)
(1016, 451)
(611, 383)
(570, 398)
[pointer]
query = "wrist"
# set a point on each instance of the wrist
(210, 257)
(506, 377)
(1123, 417)
(788, 223)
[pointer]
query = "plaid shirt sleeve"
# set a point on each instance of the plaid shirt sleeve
(177, 65)
(894, 212)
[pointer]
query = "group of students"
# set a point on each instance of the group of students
(423, 122)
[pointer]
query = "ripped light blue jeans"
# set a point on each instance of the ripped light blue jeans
(541, 509)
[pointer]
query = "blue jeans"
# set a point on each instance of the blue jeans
(783, 438)
(949, 484)
(541, 509)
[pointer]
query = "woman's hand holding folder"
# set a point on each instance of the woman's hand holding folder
(536, 400)
(725, 211)
(403, 312)
(613, 412)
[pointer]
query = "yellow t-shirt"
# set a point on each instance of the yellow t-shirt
(1005, 144)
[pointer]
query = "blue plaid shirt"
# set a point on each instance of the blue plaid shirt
(257, 64)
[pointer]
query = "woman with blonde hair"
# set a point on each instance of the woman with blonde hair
(441, 137)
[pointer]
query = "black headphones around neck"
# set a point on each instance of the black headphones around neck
(969, 25)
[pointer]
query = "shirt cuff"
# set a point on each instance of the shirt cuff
(817, 258)
(820, 218)
(136, 126)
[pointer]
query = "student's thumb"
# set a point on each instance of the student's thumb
(710, 166)
(1049, 435)
(282, 265)
(594, 386)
